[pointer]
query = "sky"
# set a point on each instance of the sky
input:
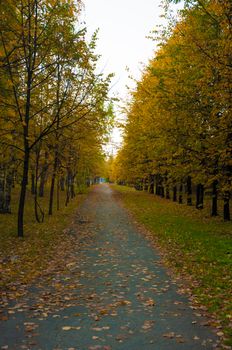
(123, 27)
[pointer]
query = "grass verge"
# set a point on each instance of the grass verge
(196, 247)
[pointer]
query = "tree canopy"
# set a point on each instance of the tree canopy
(179, 121)
(55, 110)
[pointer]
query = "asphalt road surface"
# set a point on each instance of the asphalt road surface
(112, 294)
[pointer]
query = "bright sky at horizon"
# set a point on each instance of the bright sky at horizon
(123, 28)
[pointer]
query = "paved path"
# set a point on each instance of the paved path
(112, 294)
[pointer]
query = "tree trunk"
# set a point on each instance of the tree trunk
(159, 190)
(33, 183)
(72, 189)
(5, 190)
(174, 193)
(23, 192)
(51, 197)
(41, 185)
(8, 192)
(180, 200)
(42, 181)
(36, 204)
(151, 186)
(58, 194)
(226, 211)
(62, 183)
(56, 154)
(13, 179)
(161, 187)
(67, 189)
(214, 210)
(199, 196)
(167, 192)
(157, 184)
(2, 190)
(43, 176)
(189, 190)
(145, 185)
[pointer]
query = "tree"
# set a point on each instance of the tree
(179, 117)
(50, 71)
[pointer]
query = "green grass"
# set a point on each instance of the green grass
(194, 245)
(23, 260)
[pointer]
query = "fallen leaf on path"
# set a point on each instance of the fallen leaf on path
(220, 334)
(150, 302)
(4, 318)
(104, 312)
(125, 302)
(169, 335)
(148, 325)
(180, 339)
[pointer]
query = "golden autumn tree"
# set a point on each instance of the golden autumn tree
(179, 118)
(52, 84)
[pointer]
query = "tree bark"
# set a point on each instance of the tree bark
(68, 189)
(180, 200)
(167, 192)
(33, 183)
(161, 187)
(151, 186)
(145, 185)
(199, 196)
(52, 188)
(174, 194)
(58, 194)
(56, 154)
(226, 210)
(62, 183)
(31, 51)
(214, 209)
(157, 184)
(72, 189)
(8, 192)
(5, 190)
(36, 204)
(2, 189)
(23, 192)
(43, 176)
(42, 184)
(189, 190)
